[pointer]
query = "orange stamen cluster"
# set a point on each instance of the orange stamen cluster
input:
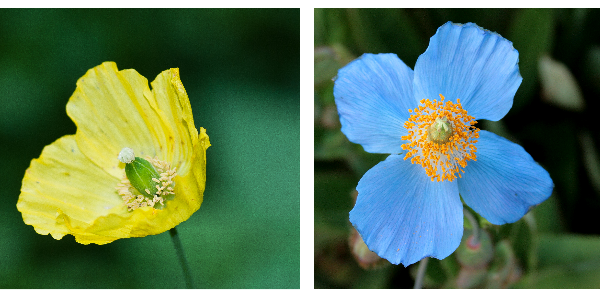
(441, 161)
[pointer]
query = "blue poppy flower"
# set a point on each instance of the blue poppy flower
(409, 206)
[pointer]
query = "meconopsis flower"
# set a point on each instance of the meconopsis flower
(135, 167)
(409, 205)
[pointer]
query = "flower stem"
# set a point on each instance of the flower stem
(181, 256)
(421, 273)
(474, 225)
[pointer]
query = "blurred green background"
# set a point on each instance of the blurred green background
(556, 245)
(241, 69)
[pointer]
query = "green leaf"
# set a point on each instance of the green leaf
(562, 249)
(559, 86)
(566, 261)
(334, 197)
(561, 161)
(387, 30)
(330, 145)
(590, 160)
(548, 216)
(505, 269)
(330, 26)
(523, 240)
(531, 34)
(591, 69)
(328, 60)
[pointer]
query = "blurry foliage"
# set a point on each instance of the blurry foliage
(557, 244)
(241, 70)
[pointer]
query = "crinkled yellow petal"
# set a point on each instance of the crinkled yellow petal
(173, 106)
(64, 181)
(111, 112)
(114, 109)
(149, 221)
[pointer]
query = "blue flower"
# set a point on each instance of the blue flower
(409, 205)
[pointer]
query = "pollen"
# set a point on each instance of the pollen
(164, 185)
(441, 138)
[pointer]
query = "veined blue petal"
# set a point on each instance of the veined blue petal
(403, 216)
(373, 94)
(504, 182)
(472, 64)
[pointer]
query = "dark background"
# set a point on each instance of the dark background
(241, 70)
(554, 117)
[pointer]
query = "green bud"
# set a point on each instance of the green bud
(140, 173)
(366, 258)
(475, 255)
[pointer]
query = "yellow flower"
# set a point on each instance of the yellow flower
(76, 186)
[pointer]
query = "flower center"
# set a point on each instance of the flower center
(147, 182)
(440, 131)
(441, 138)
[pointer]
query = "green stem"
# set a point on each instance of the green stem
(474, 225)
(181, 256)
(421, 273)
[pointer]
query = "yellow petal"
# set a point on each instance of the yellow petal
(145, 221)
(114, 109)
(111, 112)
(64, 181)
(173, 105)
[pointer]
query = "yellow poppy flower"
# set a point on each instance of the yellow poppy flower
(78, 185)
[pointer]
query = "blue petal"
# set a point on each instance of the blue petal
(403, 216)
(504, 182)
(373, 94)
(474, 65)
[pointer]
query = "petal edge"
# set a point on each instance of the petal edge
(467, 62)
(504, 182)
(403, 216)
(373, 94)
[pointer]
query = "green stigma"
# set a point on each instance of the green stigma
(140, 173)
(440, 131)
